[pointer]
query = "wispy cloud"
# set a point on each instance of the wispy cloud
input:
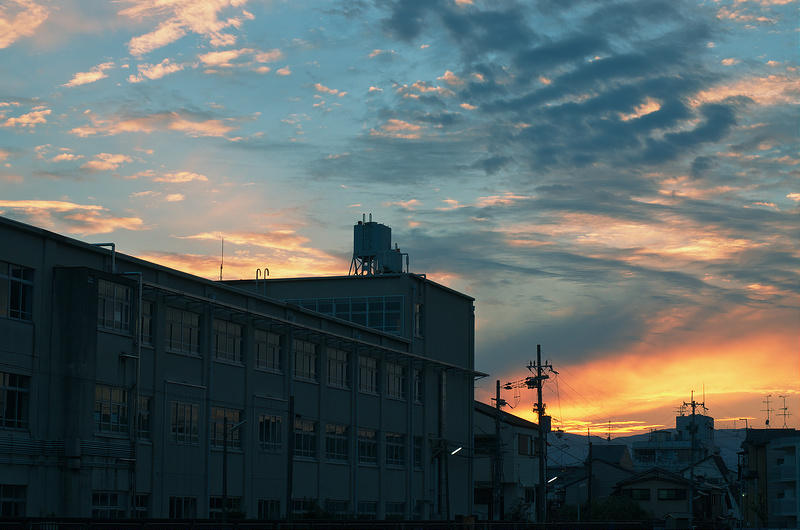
(71, 217)
(106, 162)
(28, 120)
(20, 18)
(95, 74)
(180, 18)
(186, 122)
(155, 71)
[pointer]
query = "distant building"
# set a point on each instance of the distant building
(770, 476)
(673, 451)
(506, 466)
(126, 388)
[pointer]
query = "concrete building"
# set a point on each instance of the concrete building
(132, 389)
(673, 451)
(770, 476)
(513, 455)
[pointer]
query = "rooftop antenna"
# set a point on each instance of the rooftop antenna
(785, 411)
(222, 258)
(767, 410)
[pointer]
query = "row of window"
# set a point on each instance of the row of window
(113, 505)
(384, 313)
(664, 494)
(111, 416)
(183, 332)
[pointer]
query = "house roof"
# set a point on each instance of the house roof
(505, 417)
(655, 473)
(609, 453)
(764, 436)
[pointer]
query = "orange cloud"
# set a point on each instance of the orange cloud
(395, 128)
(106, 162)
(203, 18)
(18, 19)
(770, 90)
(95, 74)
(180, 177)
(155, 71)
(164, 121)
(29, 120)
(71, 217)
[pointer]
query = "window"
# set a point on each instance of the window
(367, 447)
(110, 409)
(147, 322)
(227, 341)
(269, 433)
(304, 506)
(114, 306)
(216, 506)
(395, 450)
(418, 452)
(143, 418)
(269, 350)
(367, 510)
(368, 374)
(646, 455)
(108, 504)
(15, 391)
(184, 420)
(417, 386)
(305, 360)
(395, 510)
(218, 415)
(525, 444)
(672, 494)
(182, 507)
(338, 368)
(12, 500)
(639, 494)
(183, 331)
(269, 509)
(336, 443)
(337, 509)
(16, 291)
(418, 319)
(141, 506)
(395, 381)
(384, 313)
(305, 438)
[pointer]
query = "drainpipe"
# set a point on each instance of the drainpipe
(113, 254)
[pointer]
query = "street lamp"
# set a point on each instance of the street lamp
(225, 464)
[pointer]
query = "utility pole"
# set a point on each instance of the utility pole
(544, 427)
(589, 480)
(497, 457)
(693, 430)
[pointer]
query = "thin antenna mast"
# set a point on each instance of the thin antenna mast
(222, 258)
(785, 411)
(767, 410)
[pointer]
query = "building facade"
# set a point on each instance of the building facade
(770, 477)
(506, 463)
(134, 390)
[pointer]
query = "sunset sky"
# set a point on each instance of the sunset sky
(614, 180)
